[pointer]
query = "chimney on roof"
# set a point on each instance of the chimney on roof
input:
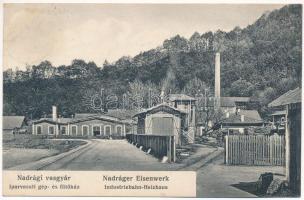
(217, 80)
(54, 113)
(242, 118)
(162, 96)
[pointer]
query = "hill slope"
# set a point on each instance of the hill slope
(262, 60)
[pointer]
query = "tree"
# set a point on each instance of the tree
(241, 88)
(137, 92)
(43, 71)
(176, 44)
(263, 60)
(194, 87)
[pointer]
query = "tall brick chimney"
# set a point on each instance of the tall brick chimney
(54, 113)
(217, 83)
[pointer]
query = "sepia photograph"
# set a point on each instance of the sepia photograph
(213, 89)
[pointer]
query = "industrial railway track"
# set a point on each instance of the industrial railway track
(72, 156)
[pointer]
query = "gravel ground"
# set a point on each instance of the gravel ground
(216, 179)
(201, 152)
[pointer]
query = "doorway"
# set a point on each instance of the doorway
(96, 130)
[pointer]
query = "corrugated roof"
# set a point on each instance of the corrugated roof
(292, 96)
(180, 97)
(11, 122)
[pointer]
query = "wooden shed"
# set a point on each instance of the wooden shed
(161, 120)
(292, 102)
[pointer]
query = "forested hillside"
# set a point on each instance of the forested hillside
(262, 60)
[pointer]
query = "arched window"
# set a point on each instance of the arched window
(85, 130)
(119, 130)
(107, 130)
(73, 130)
(51, 130)
(38, 130)
(63, 130)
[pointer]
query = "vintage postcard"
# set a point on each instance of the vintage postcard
(152, 100)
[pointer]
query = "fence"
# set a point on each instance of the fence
(160, 145)
(254, 150)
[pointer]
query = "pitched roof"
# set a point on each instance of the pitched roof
(236, 119)
(98, 117)
(117, 113)
(11, 122)
(121, 113)
(180, 97)
(279, 112)
(85, 115)
(292, 96)
(51, 121)
(253, 114)
(239, 99)
(64, 121)
(160, 107)
(227, 102)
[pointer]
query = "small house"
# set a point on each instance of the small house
(13, 124)
(291, 100)
(239, 122)
(230, 104)
(233, 109)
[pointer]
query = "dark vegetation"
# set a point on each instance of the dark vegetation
(262, 60)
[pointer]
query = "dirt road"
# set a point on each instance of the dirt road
(217, 179)
(110, 155)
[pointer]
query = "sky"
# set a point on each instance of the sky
(60, 33)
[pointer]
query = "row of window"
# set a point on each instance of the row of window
(84, 131)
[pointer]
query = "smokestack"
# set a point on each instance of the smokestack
(217, 79)
(242, 118)
(162, 95)
(54, 113)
